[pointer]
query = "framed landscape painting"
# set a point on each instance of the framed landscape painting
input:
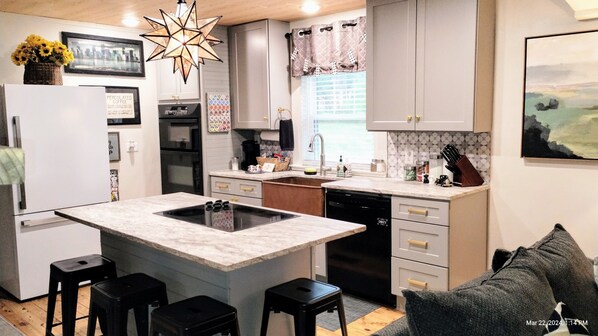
(560, 113)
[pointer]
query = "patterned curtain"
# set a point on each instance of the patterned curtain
(328, 49)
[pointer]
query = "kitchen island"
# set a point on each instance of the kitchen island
(233, 267)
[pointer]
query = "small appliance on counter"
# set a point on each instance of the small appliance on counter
(251, 150)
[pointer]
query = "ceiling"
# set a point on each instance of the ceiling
(111, 12)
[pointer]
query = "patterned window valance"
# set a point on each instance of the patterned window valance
(328, 49)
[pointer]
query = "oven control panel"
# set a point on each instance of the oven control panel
(178, 111)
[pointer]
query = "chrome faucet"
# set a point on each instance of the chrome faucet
(310, 148)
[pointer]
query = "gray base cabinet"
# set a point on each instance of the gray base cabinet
(437, 245)
(237, 190)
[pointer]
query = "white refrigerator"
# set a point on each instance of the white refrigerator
(64, 135)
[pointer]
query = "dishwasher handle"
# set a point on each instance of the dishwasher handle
(339, 205)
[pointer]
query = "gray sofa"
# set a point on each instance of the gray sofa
(517, 297)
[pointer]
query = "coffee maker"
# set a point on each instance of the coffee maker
(251, 150)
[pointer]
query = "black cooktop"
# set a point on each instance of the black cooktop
(226, 216)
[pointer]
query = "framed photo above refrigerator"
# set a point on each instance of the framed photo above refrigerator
(102, 55)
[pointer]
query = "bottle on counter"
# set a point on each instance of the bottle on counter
(436, 164)
(234, 163)
(340, 168)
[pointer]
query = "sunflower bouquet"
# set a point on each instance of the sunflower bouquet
(36, 49)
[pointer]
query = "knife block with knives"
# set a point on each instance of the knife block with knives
(464, 173)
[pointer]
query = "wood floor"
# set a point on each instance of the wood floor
(30, 317)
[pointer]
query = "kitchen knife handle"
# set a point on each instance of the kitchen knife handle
(16, 121)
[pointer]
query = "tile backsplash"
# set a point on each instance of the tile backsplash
(406, 146)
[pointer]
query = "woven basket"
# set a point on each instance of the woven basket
(42, 73)
(278, 166)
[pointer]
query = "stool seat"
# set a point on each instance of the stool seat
(304, 299)
(69, 273)
(116, 297)
(196, 316)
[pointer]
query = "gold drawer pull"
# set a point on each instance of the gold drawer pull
(417, 283)
(222, 185)
(234, 199)
(248, 189)
(413, 211)
(418, 243)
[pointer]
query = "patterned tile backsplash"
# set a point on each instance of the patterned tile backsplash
(407, 147)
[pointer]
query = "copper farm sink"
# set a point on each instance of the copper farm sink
(296, 193)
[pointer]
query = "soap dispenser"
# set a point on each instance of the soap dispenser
(340, 169)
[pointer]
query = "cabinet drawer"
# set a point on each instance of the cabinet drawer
(420, 242)
(249, 188)
(238, 199)
(223, 185)
(406, 274)
(419, 210)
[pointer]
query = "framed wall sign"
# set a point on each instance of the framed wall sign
(102, 55)
(113, 146)
(122, 104)
(560, 113)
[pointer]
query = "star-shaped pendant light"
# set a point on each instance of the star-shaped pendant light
(184, 38)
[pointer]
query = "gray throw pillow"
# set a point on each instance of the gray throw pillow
(510, 302)
(570, 274)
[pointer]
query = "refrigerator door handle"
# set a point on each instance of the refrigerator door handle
(43, 221)
(16, 121)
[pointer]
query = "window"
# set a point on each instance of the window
(334, 106)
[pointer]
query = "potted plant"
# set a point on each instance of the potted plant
(42, 60)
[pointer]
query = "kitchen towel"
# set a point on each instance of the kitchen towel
(286, 137)
(12, 165)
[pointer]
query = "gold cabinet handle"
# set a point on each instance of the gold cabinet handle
(222, 185)
(234, 199)
(266, 118)
(413, 211)
(409, 118)
(248, 189)
(418, 243)
(417, 118)
(417, 283)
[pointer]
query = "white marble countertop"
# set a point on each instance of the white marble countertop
(381, 185)
(226, 251)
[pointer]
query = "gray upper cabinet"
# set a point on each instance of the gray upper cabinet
(430, 65)
(259, 70)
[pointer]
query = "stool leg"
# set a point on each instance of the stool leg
(341, 317)
(234, 329)
(91, 320)
(118, 322)
(265, 318)
(69, 294)
(301, 324)
(141, 319)
(52, 291)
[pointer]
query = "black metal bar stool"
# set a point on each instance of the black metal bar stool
(196, 316)
(69, 274)
(304, 299)
(116, 297)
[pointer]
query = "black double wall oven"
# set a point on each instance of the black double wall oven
(180, 148)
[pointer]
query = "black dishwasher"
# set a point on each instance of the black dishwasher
(360, 264)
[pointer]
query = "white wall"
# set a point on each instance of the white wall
(139, 172)
(529, 196)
